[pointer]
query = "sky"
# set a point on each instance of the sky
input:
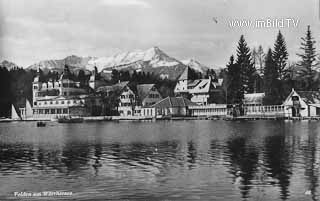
(35, 30)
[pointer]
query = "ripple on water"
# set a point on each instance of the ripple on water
(206, 160)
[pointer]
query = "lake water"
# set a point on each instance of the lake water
(163, 160)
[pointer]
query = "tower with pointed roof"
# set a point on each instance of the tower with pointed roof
(182, 84)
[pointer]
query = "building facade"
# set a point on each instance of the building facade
(169, 107)
(65, 97)
(302, 104)
(132, 102)
(200, 91)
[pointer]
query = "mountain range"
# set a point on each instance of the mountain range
(9, 65)
(152, 60)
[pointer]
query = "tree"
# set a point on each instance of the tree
(260, 60)
(6, 94)
(308, 60)
(115, 76)
(271, 75)
(247, 69)
(234, 89)
(82, 77)
(280, 56)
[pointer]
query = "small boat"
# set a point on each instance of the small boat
(41, 124)
(69, 119)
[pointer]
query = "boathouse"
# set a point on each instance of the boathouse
(302, 104)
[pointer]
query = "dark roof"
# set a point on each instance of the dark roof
(143, 90)
(170, 102)
(116, 87)
(310, 97)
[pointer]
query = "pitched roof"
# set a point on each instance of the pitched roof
(310, 97)
(170, 102)
(143, 90)
(200, 86)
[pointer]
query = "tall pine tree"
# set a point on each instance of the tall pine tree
(280, 56)
(271, 81)
(234, 90)
(308, 60)
(247, 69)
(260, 60)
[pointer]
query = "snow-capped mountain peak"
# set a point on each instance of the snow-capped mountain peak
(192, 63)
(153, 57)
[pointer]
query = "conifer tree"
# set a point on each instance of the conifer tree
(234, 89)
(260, 60)
(308, 60)
(271, 81)
(247, 69)
(280, 56)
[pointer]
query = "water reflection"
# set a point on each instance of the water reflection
(209, 160)
(244, 161)
(278, 162)
(311, 162)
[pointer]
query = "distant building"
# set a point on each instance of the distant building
(63, 97)
(302, 104)
(147, 95)
(170, 106)
(200, 91)
(209, 110)
(96, 80)
(111, 95)
(132, 101)
(128, 103)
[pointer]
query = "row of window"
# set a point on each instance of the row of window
(154, 96)
(131, 96)
(50, 111)
(58, 102)
(127, 96)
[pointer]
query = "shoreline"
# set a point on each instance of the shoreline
(182, 118)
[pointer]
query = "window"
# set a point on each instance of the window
(35, 103)
(50, 102)
(68, 102)
(62, 102)
(45, 102)
(58, 111)
(52, 111)
(46, 111)
(57, 102)
(65, 111)
(65, 93)
(35, 87)
(74, 101)
(295, 98)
